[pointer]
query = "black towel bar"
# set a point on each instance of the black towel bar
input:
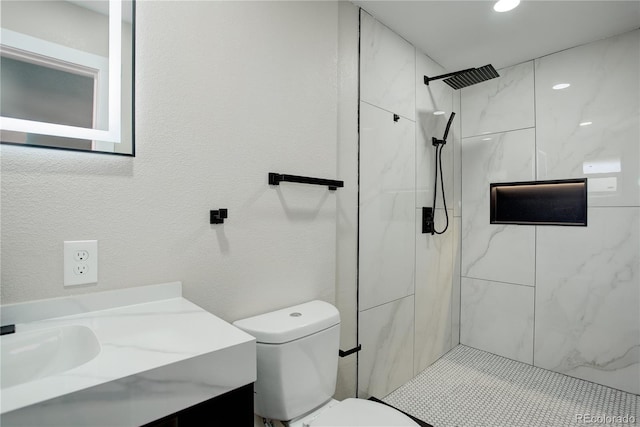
(277, 178)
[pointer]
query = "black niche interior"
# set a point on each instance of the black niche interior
(560, 202)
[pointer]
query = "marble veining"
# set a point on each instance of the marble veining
(588, 299)
(501, 104)
(606, 151)
(497, 317)
(434, 293)
(386, 358)
(387, 207)
(502, 157)
(586, 278)
(387, 68)
(66, 306)
(156, 358)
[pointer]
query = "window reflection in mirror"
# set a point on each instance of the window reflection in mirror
(58, 76)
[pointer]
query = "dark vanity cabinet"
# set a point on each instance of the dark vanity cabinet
(234, 408)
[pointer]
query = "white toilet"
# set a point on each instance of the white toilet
(297, 352)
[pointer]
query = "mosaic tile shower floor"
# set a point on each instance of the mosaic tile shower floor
(470, 387)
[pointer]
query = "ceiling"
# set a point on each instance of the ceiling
(463, 34)
(102, 7)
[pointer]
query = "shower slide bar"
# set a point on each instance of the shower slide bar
(277, 178)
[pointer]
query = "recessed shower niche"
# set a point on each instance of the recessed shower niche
(558, 202)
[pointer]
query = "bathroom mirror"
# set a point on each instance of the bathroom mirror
(67, 74)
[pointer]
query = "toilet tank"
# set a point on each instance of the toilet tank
(297, 356)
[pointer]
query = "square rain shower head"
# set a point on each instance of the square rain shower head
(472, 76)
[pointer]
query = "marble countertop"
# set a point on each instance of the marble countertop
(158, 356)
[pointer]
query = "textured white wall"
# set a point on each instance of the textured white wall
(226, 92)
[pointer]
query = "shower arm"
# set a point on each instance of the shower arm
(444, 76)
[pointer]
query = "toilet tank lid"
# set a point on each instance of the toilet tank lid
(290, 323)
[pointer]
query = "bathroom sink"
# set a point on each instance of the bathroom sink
(130, 356)
(30, 355)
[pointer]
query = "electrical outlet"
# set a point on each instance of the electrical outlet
(80, 255)
(80, 262)
(81, 269)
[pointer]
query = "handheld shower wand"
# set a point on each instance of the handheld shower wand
(439, 145)
(435, 141)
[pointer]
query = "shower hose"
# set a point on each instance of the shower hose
(439, 145)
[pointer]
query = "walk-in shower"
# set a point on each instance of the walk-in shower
(457, 80)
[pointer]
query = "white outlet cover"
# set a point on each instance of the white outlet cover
(84, 271)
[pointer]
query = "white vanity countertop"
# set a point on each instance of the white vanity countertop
(156, 358)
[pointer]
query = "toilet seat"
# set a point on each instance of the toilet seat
(360, 412)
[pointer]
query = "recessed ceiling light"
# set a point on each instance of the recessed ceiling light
(505, 5)
(486, 139)
(560, 86)
(438, 113)
(586, 123)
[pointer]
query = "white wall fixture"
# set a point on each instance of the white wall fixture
(80, 262)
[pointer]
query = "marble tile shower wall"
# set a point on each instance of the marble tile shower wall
(562, 298)
(408, 281)
(437, 278)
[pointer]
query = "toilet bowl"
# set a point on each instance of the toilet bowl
(297, 356)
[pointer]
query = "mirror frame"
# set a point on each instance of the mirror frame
(113, 133)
